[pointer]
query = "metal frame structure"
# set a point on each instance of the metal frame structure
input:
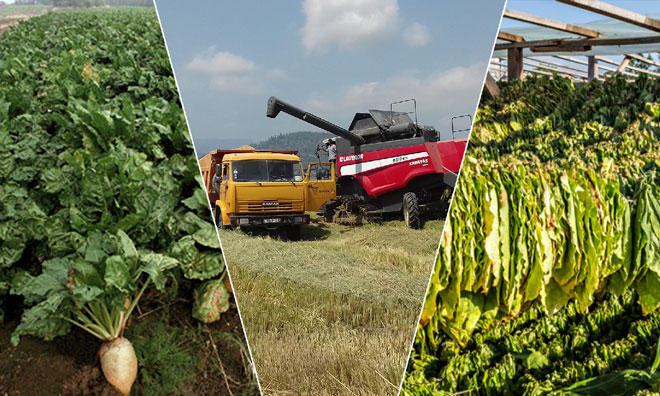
(516, 65)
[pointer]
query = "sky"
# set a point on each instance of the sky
(330, 57)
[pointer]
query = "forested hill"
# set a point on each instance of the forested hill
(304, 142)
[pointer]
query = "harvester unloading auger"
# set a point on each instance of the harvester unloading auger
(386, 164)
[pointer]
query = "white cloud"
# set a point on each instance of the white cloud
(439, 95)
(347, 23)
(231, 73)
(220, 63)
(277, 74)
(246, 85)
(416, 35)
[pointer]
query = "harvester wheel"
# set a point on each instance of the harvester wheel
(411, 212)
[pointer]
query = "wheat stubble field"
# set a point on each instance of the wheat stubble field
(334, 313)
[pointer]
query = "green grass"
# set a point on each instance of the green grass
(333, 314)
(166, 360)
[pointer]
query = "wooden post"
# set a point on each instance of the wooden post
(592, 70)
(623, 65)
(491, 85)
(514, 64)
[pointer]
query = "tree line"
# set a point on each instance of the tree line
(87, 3)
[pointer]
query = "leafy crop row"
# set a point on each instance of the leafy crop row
(558, 206)
(102, 197)
(533, 354)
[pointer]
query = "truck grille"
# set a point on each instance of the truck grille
(259, 207)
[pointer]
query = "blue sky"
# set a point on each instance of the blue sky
(331, 57)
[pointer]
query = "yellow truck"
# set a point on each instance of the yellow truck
(251, 188)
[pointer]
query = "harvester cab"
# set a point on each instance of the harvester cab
(386, 164)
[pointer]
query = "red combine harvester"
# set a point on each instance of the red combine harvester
(387, 164)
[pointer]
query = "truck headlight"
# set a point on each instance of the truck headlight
(298, 219)
(244, 221)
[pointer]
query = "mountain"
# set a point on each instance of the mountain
(304, 142)
(206, 145)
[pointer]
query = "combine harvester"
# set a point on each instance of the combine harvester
(387, 164)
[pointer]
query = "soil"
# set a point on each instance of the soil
(68, 365)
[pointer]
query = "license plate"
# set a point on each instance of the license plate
(270, 221)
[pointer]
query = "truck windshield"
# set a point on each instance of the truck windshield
(266, 171)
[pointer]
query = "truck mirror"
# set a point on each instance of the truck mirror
(218, 169)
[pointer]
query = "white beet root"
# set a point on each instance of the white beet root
(119, 363)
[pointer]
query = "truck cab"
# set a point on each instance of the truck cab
(265, 189)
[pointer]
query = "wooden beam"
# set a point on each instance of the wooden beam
(640, 70)
(616, 12)
(592, 68)
(509, 37)
(491, 86)
(642, 59)
(566, 44)
(623, 65)
(560, 48)
(549, 23)
(556, 64)
(612, 69)
(514, 64)
(558, 71)
(607, 60)
(545, 73)
(495, 70)
(568, 58)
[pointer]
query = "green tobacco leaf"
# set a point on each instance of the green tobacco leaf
(625, 383)
(535, 360)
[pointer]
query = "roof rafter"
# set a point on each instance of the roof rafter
(573, 44)
(549, 23)
(615, 12)
(509, 37)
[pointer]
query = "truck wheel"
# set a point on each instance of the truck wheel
(293, 233)
(411, 212)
